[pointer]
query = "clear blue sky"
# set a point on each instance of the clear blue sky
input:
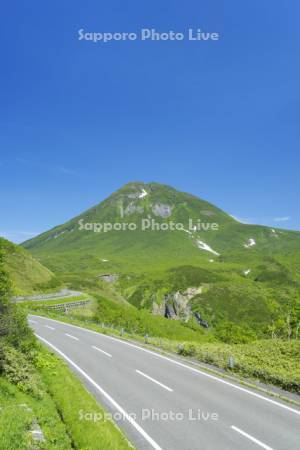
(80, 119)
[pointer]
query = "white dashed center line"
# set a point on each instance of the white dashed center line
(154, 381)
(251, 438)
(101, 351)
(72, 337)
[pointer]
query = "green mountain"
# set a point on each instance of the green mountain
(177, 255)
(26, 273)
(143, 244)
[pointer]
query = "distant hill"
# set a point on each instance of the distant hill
(24, 270)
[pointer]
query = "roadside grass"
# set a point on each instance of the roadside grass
(19, 410)
(274, 362)
(55, 398)
(76, 405)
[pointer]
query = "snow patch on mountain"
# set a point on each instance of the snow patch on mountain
(250, 243)
(203, 246)
(138, 194)
(143, 193)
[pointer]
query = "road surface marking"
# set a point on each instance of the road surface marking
(50, 328)
(106, 395)
(154, 381)
(102, 351)
(31, 321)
(253, 439)
(178, 363)
(72, 337)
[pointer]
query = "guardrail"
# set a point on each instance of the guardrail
(64, 293)
(67, 306)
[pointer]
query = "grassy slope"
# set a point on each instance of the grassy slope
(272, 361)
(25, 271)
(15, 434)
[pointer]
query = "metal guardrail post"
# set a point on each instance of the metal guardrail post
(231, 362)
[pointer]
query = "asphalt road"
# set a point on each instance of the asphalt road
(162, 403)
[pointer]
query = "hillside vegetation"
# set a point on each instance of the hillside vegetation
(26, 273)
(77, 246)
(243, 276)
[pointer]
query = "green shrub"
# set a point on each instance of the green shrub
(231, 333)
(17, 369)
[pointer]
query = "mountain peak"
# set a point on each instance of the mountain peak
(114, 230)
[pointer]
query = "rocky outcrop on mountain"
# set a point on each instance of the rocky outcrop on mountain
(162, 210)
(176, 305)
(132, 208)
(109, 277)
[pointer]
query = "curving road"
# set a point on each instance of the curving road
(162, 403)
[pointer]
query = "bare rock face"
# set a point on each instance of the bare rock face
(162, 210)
(207, 212)
(158, 309)
(109, 277)
(176, 304)
(132, 208)
(135, 195)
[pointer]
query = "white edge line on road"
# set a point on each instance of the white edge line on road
(105, 394)
(31, 321)
(50, 328)
(72, 337)
(154, 381)
(101, 351)
(178, 363)
(253, 439)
